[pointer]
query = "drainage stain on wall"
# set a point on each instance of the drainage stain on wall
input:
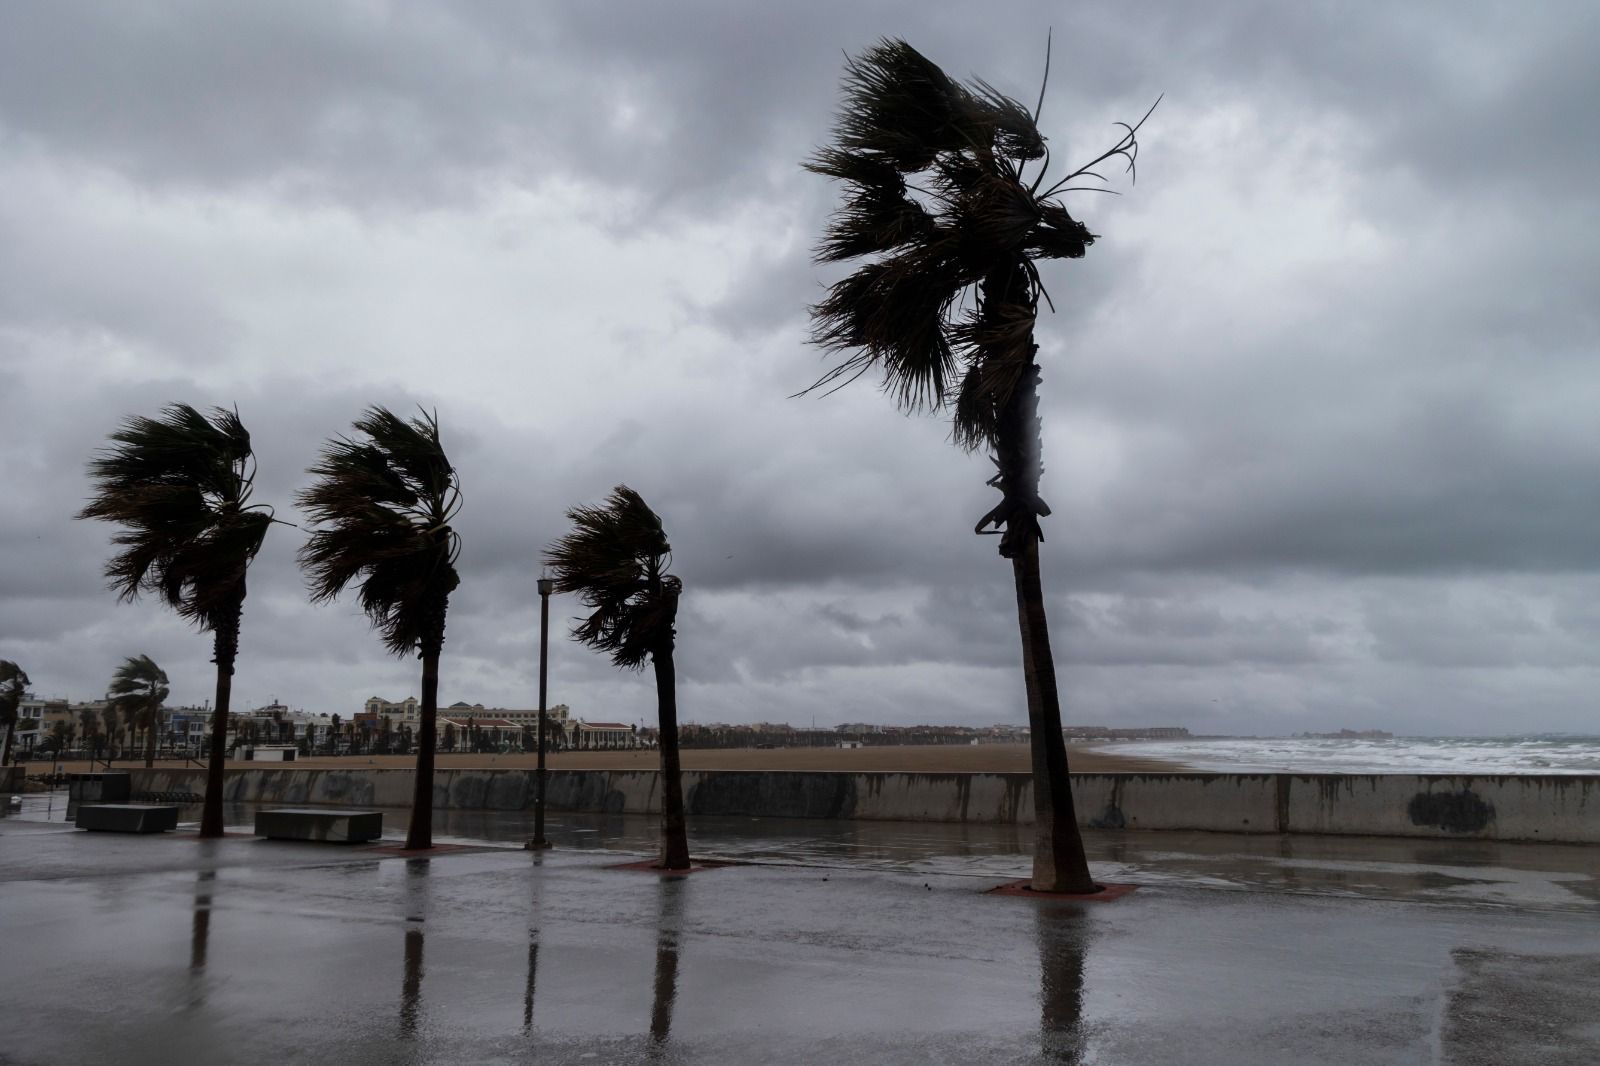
(1454, 812)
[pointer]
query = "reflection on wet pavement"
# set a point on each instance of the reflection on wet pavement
(416, 914)
(1063, 939)
(669, 928)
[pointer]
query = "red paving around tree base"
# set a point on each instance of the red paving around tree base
(1021, 889)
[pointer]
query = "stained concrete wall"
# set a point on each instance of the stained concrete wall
(1521, 807)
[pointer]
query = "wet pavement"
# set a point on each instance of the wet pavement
(822, 941)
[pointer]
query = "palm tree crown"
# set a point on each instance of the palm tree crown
(13, 686)
(385, 504)
(939, 199)
(138, 689)
(616, 559)
(181, 486)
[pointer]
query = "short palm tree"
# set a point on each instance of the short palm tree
(180, 485)
(108, 721)
(138, 690)
(89, 729)
(940, 203)
(383, 503)
(616, 560)
(13, 686)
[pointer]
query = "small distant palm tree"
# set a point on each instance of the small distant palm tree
(383, 504)
(180, 486)
(108, 720)
(138, 690)
(89, 729)
(13, 686)
(616, 560)
(939, 201)
(61, 736)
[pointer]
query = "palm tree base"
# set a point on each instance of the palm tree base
(1104, 893)
(1058, 860)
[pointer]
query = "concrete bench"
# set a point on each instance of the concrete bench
(127, 817)
(341, 827)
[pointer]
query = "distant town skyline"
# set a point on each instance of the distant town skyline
(1319, 402)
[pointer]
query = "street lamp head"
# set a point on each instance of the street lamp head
(547, 585)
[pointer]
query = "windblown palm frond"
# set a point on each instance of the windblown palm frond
(138, 689)
(180, 486)
(384, 503)
(615, 559)
(13, 686)
(935, 195)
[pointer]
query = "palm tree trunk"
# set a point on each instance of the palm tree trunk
(225, 645)
(419, 835)
(5, 754)
(1059, 864)
(150, 732)
(674, 833)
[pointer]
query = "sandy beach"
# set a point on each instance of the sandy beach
(937, 758)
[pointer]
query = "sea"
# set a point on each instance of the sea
(1527, 753)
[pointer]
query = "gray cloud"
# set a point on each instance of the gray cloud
(1319, 404)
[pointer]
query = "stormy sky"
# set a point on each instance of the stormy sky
(1320, 405)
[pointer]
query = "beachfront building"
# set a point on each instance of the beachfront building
(30, 722)
(556, 717)
(407, 711)
(57, 712)
(310, 730)
(187, 729)
(473, 734)
(593, 736)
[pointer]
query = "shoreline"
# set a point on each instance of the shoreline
(909, 758)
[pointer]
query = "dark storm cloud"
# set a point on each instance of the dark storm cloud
(1319, 404)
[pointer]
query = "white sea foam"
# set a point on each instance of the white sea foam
(1545, 753)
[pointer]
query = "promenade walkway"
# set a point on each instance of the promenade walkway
(821, 942)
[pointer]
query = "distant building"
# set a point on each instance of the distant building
(188, 727)
(592, 736)
(404, 711)
(409, 711)
(493, 734)
(1147, 732)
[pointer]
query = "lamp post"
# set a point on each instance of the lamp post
(546, 586)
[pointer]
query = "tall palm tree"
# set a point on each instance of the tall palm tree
(138, 690)
(383, 503)
(939, 201)
(616, 560)
(13, 686)
(180, 484)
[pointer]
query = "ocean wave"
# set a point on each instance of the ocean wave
(1521, 754)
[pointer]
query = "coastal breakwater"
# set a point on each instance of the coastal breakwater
(1509, 807)
(1555, 808)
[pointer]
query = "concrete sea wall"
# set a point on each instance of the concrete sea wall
(1562, 809)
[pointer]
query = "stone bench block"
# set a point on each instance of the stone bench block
(109, 786)
(341, 827)
(127, 817)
